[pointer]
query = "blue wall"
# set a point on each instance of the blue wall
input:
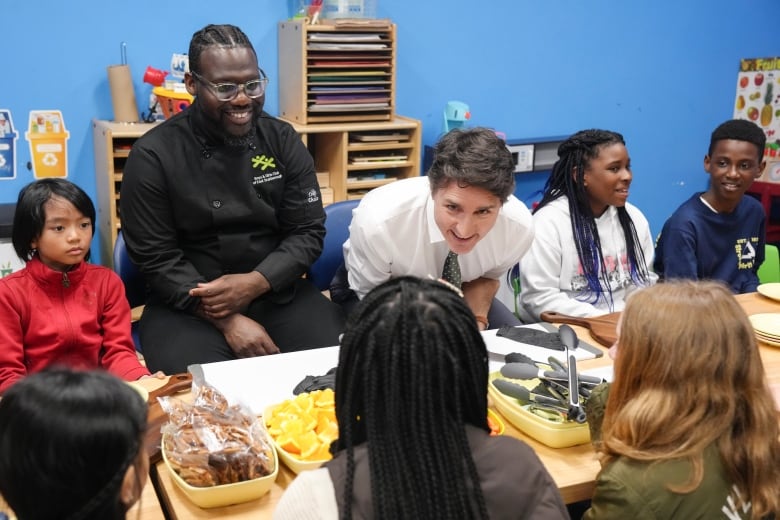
(662, 73)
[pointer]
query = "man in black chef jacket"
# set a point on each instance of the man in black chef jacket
(222, 213)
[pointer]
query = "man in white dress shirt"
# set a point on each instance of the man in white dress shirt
(464, 206)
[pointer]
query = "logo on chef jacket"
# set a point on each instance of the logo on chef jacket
(312, 196)
(263, 162)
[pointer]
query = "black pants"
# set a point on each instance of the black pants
(172, 340)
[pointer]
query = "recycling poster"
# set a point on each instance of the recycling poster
(48, 143)
(47, 137)
(758, 99)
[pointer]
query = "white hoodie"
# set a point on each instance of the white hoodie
(550, 274)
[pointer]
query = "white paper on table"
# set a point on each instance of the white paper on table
(262, 381)
(498, 347)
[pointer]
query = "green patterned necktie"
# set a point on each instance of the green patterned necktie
(451, 271)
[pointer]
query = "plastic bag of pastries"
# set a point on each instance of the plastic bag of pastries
(209, 442)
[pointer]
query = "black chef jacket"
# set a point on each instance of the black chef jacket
(193, 209)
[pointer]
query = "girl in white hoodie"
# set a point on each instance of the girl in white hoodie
(592, 248)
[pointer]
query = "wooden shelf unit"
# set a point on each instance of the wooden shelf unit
(333, 73)
(112, 143)
(362, 156)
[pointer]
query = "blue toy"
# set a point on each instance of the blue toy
(455, 115)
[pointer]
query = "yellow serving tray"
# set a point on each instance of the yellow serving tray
(549, 433)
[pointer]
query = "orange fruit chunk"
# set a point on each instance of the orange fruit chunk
(308, 421)
(308, 443)
(323, 453)
(305, 402)
(329, 434)
(325, 399)
(324, 418)
(288, 444)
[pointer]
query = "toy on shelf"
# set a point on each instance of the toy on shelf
(456, 113)
(172, 101)
(154, 77)
(168, 96)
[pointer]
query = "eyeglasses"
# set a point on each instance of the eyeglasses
(228, 91)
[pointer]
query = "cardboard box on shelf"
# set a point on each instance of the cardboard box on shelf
(323, 178)
(327, 196)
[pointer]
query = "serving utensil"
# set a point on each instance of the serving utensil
(570, 341)
(602, 328)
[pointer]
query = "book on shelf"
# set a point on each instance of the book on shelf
(347, 73)
(346, 46)
(358, 107)
(354, 179)
(358, 23)
(358, 89)
(379, 137)
(332, 64)
(368, 159)
(344, 36)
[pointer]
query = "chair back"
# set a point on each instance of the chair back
(769, 271)
(338, 216)
(135, 285)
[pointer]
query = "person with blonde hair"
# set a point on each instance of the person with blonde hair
(689, 427)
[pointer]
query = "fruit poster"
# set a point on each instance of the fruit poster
(758, 99)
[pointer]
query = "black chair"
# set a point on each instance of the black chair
(135, 285)
(338, 216)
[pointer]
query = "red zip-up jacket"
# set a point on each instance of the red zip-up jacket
(80, 319)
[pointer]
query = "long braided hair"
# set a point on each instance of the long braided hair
(215, 35)
(567, 178)
(412, 372)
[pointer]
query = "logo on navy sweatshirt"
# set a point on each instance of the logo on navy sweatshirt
(746, 252)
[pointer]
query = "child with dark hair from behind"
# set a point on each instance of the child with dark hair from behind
(59, 309)
(411, 404)
(72, 446)
(720, 234)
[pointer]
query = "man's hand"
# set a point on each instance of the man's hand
(245, 336)
(479, 296)
(229, 293)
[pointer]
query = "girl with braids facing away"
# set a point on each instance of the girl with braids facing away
(592, 248)
(72, 446)
(411, 403)
(689, 429)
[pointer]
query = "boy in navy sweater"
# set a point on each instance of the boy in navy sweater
(720, 234)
